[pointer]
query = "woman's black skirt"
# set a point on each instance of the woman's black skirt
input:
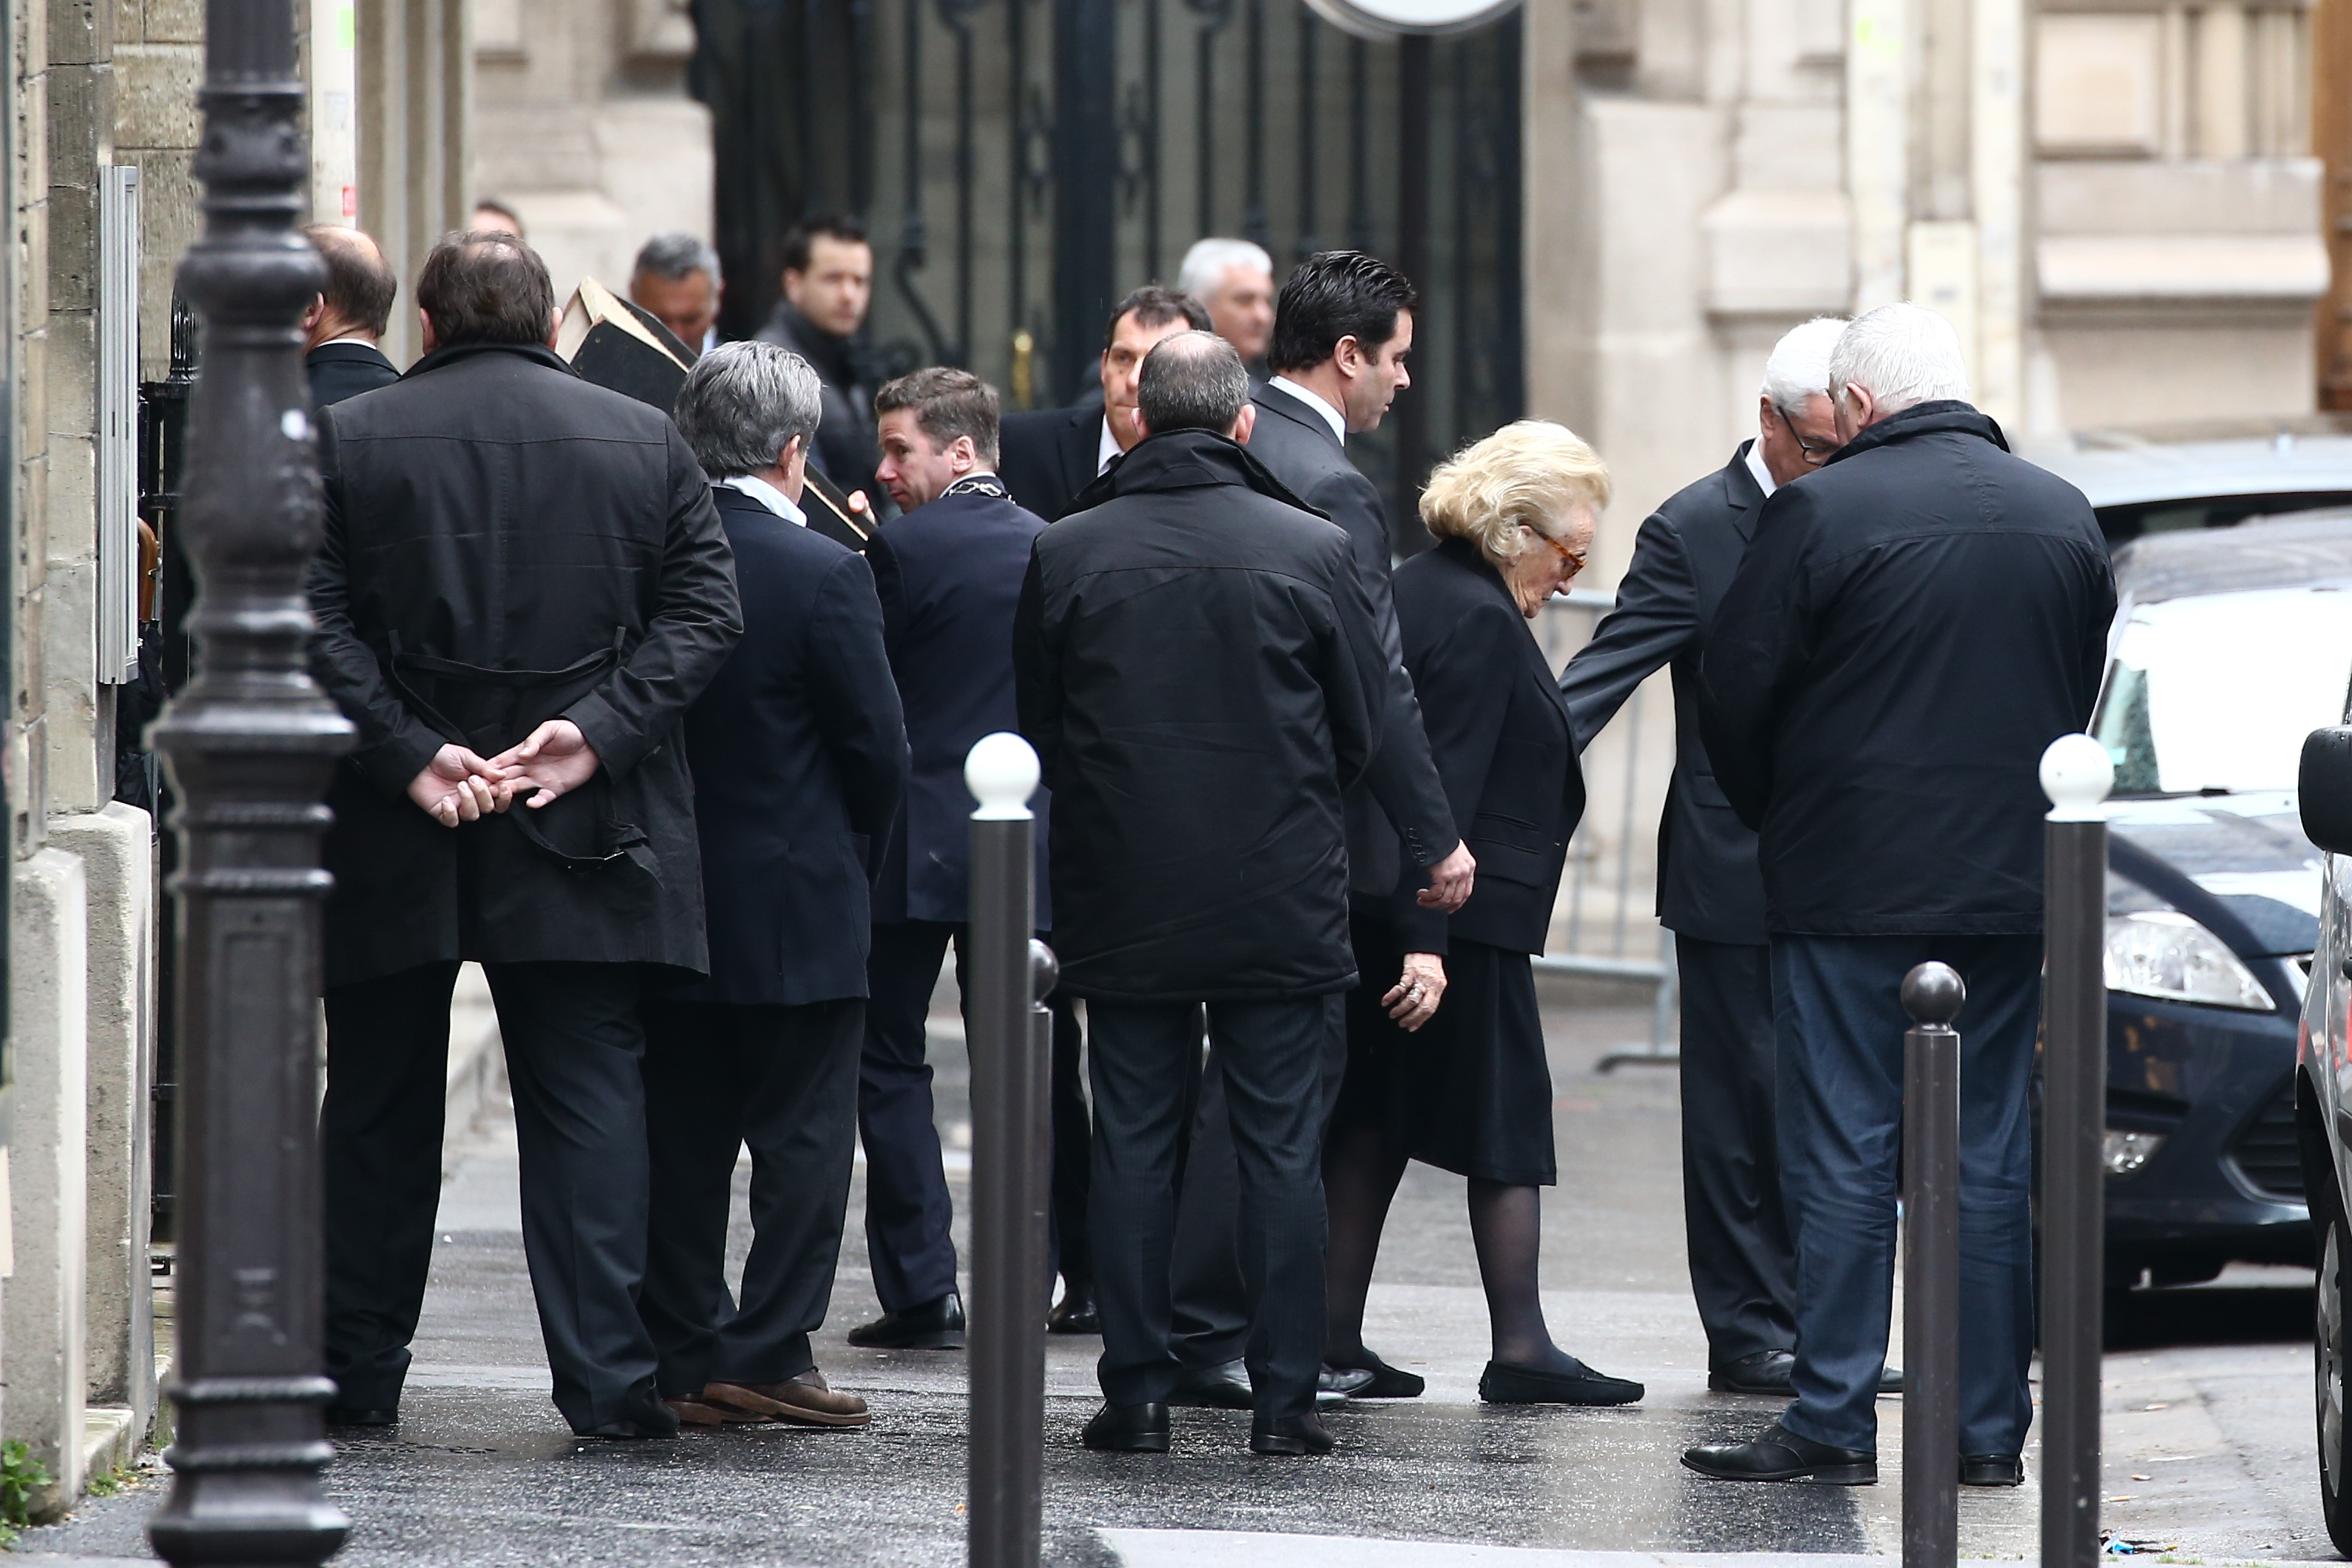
(1471, 1092)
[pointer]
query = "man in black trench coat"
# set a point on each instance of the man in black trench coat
(522, 586)
(1197, 663)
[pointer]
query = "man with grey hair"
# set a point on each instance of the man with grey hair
(1190, 597)
(676, 281)
(1710, 894)
(1909, 629)
(799, 759)
(1233, 281)
(750, 423)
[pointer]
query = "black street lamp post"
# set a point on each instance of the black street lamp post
(250, 743)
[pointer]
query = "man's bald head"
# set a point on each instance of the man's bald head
(361, 287)
(1192, 381)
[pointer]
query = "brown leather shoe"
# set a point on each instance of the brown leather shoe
(806, 1399)
(696, 1413)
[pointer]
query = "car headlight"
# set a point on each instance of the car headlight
(2163, 952)
(2126, 1152)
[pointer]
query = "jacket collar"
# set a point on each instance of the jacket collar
(836, 358)
(1747, 496)
(1469, 557)
(538, 353)
(1924, 419)
(347, 348)
(1271, 398)
(1182, 459)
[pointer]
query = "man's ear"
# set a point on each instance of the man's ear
(555, 323)
(1246, 422)
(314, 312)
(963, 455)
(1142, 430)
(1347, 357)
(791, 449)
(425, 334)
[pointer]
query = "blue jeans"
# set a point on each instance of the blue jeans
(1841, 1025)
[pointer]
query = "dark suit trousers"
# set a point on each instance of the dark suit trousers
(1841, 1027)
(907, 1210)
(1211, 1314)
(1269, 1058)
(573, 1045)
(783, 1079)
(1743, 1266)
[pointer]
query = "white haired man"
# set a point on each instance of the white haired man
(677, 281)
(1233, 281)
(1909, 629)
(1710, 892)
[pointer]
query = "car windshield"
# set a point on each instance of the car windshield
(2214, 694)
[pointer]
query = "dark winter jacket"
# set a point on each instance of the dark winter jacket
(1911, 627)
(949, 576)
(1198, 667)
(1500, 732)
(798, 764)
(505, 544)
(843, 451)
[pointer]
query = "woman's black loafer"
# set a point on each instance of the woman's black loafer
(1506, 1384)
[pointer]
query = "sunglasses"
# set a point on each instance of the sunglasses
(1575, 562)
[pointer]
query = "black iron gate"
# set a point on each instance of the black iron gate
(1023, 162)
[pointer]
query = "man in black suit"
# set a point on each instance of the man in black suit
(949, 570)
(828, 287)
(799, 761)
(1710, 892)
(1051, 454)
(345, 322)
(1343, 327)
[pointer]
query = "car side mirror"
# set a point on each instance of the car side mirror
(2324, 784)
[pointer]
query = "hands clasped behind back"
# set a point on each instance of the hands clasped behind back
(460, 786)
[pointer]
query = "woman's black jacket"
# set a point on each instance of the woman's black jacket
(1499, 730)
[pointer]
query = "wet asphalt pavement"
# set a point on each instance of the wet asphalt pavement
(2208, 1426)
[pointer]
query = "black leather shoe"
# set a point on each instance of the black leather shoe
(646, 1416)
(1289, 1436)
(358, 1416)
(1890, 1380)
(1224, 1387)
(1127, 1429)
(1386, 1382)
(1346, 1382)
(933, 1325)
(1074, 1312)
(1505, 1384)
(1992, 1470)
(1780, 1455)
(1766, 1372)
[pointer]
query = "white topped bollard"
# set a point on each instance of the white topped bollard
(1008, 974)
(1001, 771)
(2076, 774)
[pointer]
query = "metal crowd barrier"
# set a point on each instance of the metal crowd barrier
(1604, 926)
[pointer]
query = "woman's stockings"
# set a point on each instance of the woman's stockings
(1359, 1177)
(1507, 1224)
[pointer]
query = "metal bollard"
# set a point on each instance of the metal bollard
(1011, 1055)
(2076, 774)
(1932, 995)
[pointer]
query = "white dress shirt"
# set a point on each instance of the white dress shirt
(1316, 400)
(1756, 466)
(1106, 448)
(768, 495)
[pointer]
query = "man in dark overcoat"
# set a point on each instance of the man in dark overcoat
(1343, 325)
(799, 761)
(1910, 628)
(949, 570)
(1710, 894)
(1199, 670)
(523, 585)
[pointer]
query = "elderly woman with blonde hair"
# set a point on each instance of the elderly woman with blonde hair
(1446, 1049)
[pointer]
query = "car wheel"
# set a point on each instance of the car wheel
(2329, 1355)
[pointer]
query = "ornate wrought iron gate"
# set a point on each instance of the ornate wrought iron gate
(1023, 162)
